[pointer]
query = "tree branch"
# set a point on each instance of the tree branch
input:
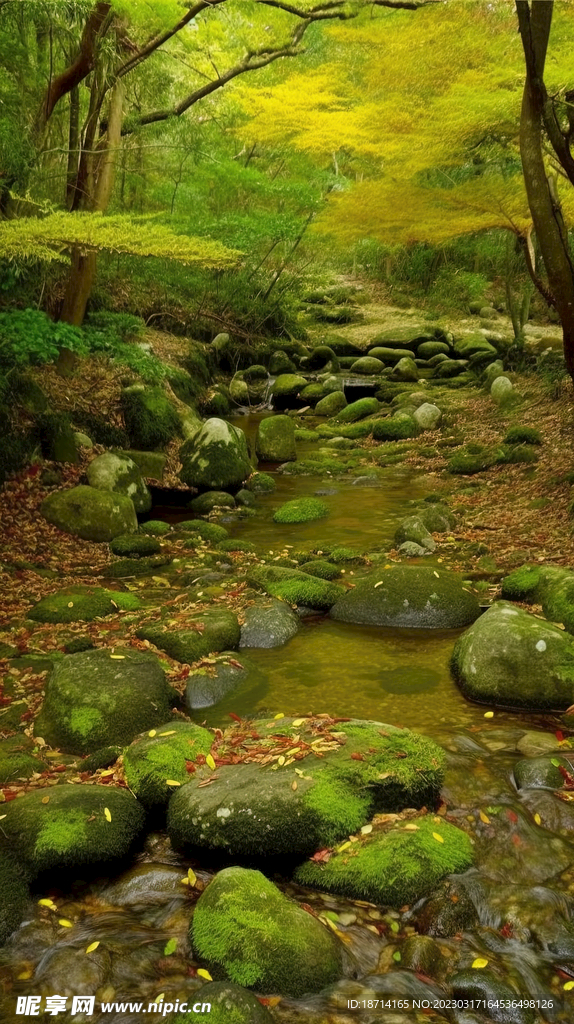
(60, 86)
(159, 40)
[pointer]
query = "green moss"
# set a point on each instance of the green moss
(302, 434)
(17, 760)
(394, 867)
(102, 758)
(322, 569)
(294, 586)
(236, 545)
(312, 394)
(357, 410)
(338, 555)
(522, 435)
(72, 828)
(206, 531)
(395, 429)
(511, 454)
(301, 510)
(124, 568)
(150, 418)
(216, 403)
(216, 630)
(155, 527)
(522, 584)
(13, 896)
(246, 927)
(465, 463)
(82, 604)
(85, 721)
(261, 483)
(134, 545)
(150, 761)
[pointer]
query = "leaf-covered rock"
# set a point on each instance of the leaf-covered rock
(156, 761)
(89, 513)
(409, 596)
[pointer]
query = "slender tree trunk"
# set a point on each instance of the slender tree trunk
(534, 20)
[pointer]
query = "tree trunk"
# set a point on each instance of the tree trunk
(534, 23)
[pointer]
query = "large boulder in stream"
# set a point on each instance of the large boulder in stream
(276, 798)
(216, 458)
(102, 697)
(245, 927)
(409, 596)
(275, 441)
(90, 513)
(270, 624)
(216, 629)
(117, 473)
(512, 659)
(209, 684)
(156, 761)
(294, 586)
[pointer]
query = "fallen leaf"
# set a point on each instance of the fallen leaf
(118, 657)
(65, 923)
(294, 784)
(202, 973)
(172, 782)
(93, 946)
(107, 814)
(438, 838)
(484, 817)
(170, 947)
(210, 762)
(366, 829)
(479, 962)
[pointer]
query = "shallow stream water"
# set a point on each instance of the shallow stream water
(517, 901)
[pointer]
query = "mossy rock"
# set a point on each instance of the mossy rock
(523, 584)
(261, 483)
(367, 366)
(331, 404)
(411, 597)
(389, 356)
(125, 568)
(216, 630)
(216, 403)
(437, 517)
(322, 569)
(255, 811)
(397, 428)
(216, 458)
(98, 697)
(71, 829)
(89, 513)
(82, 604)
(243, 926)
(294, 586)
(394, 866)
(118, 473)
(345, 556)
(156, 761)
(465, 463)
(358, 410)
(301, 510)
(208, 685)
(230, 1004)
(323, 358)
(515, 454)
(101, 758)
(205, 503)
(522, 435)
(17, 760)
(287, 385)
(280, 363)
(210, 532)
(13, 895)
(312, 393)
(134, 546)
(234, 544)
(155, 528)
(275, 440)
(150, 464)
(150, 418)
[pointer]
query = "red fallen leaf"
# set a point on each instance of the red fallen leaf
(512, 816)
(567, 776)
(189, 767)
(305, 906)
(516, 840)
(559, 735)
(322, 856)
(235, 717)
(356, 756)
(507, 930)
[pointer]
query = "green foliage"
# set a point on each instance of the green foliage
(522, 584)
(394, 429)
(522, 435)
(29, 336)
(516, 453)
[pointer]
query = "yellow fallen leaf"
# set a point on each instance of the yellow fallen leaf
(28, 974)
(294, 750)
(93, 946)
(435, 573)
(104, 775)
(411, 827)
(280, 715)
(152, 732)
(45, 800)
(47, 903)
(172, 782)
(107, 814)
(294, 784)
(70, 604)
(202, 973)
(191, 876)
(438, 838)
(160, 998)
(118, 657)
(567, 987)
(210, 762)
(479, 962)
(484, 817)
(65, 923)
(489, 714)
(344, 846)
(298, 722)
(170, 733)
(379, 584)
(281, 760)
(538, 821)
(366, 829)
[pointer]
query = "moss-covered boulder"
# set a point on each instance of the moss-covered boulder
(294, 586)
(212, 533)
(474, 344)
(290, 802)
(205, 503)
(301, 510)
(17, 760)
(427, 416)
(268, 624)
(406, 369)
(150, 464)
(102, 697)
(397, 428)
(215, 630)
(82, 604)
(358, 410)
(89, 513)
(244, 927)
(367, 366)
(150, 418)
(135, 545)
(156, 762)
(512, 659)
(275, 440)
(13, 895)
(230, 1004)
(394, 864)
(116, 472)
(321, 568)
(548, 585)
(331, 404)
(409, 596)
(281, 364)
(261, 483)
(428, 349)
(285, 391)
(467, 463)
(413, 529)
(216, 458)
(209, 684)
(389, 356)
(155, 528)
(71, 826)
